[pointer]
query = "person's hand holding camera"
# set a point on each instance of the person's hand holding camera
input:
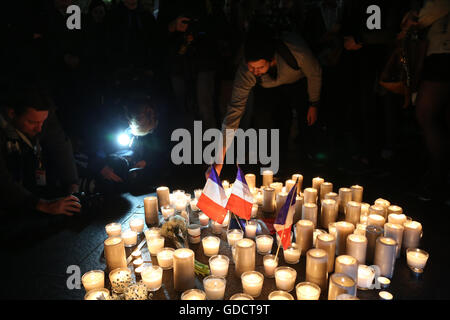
(66, 206)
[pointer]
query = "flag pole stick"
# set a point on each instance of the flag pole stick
(279, 244)
(239, 224)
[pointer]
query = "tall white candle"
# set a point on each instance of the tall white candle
(280, 200)
(385, 254)
(317, 267)
(357, 247)
(299, 178)
(347, 265)
(411, 234)
(341, 283)
(245, 256)
(183, 269)
(304, 235)
(329, 212)
(267, 176)
(327, 242)
(395, 231)
(357, 193)
(250, 178)
(289, 185)
(252, 283)
(268, 200)
(316, 183)
(375, 220)
(309, 212)
(219, 265)
(325, 188)
(115, 253)
(310, 195)
(163, 195)
(353, 212)
(345, 195)
(343, 230)
(151, 210)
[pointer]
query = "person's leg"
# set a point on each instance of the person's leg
(205, 98)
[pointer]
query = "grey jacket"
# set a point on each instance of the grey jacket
(244, 80)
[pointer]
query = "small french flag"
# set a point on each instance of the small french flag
(213, 199)
(241, 199)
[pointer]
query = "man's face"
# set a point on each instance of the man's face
(259, 67)
(130, 4)
(30, 123)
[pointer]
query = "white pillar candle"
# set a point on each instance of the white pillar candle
(264, 244)
(383, 203)
(316, 183)
(193, 205)
(309, 212)
(183, 269)
(343, 230)
(234, 235)
(385, 254)
(292, 254)
(372, 234)
(345, 195)
(384, 282)
(270, 264)
(113, 229)
(310, 195)
(152, 277)
(307, 291)
(280, 200)
(304, 234)
(163, 196)
(411, 234)
(360, 229)
(416, 259)
(252, 283)
(347, 265)
(97, 294)
(357, 247)
(278, 186)
(285, 278)
(203, 218)
(250, 178)
(194, 233)
(316, 233)
(339, 284)
(397, 218)
(155, 245)
(366, 275)
(167, 212)
(289, 185)
(375, 220)
(379, 210)
(332, 229)
(299, 178)
(259, 199)
(250, 228)
(211, 245)
(332, 195)
(327, 242)
(395, 231)
(364, 208)
(255, 209)
(193, 294)
(317, 267)
(268, 200)
(329, 212)
(165, 258)
(94, 279)
(214, 287)
(244, 258)
(137, 224)
(119, 279)
(394, 209)
(357, 193)
(280, 295)
(219, 265)
(115, 253)
(297, 209)
(325, 188)
(353, 212)
(151, 211)
(198, 193)
(129, 238)
(267, 178)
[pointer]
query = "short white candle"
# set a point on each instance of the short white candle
(155, 244)
(198, 193)
(241, 296)
(250, 228)
(416, 259)
(348, 265)
(270, 264)
(384, 295)
(285, 278)
(152, 232)
(180, 205)
(211, 245)
(380, 210)
(280, 295)
(193, 294)
(97, 294)
(165, 258)
(307, 291)
(193, 204)
(167, 212)
(137, 224)
(397, 218)
(204, 219)
(219, 265)
(94, 279)
(234, 235)
(120, 278)
(129, 238)
(252, 283)
(113, 229)
(292, 254)
(214, 287)
(264, 244)
(152, 277)
(366, 275)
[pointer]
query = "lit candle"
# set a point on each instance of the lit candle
(152, 277)
(397, 218)
(280, 295)
(310, 195)
(347, 265)
(115, 253)
(183, 269)
(329, 212)
(416, 259)
(226, 220)
(252, 283)
(137, 224)
(234, 235)
(250, 178)
(197, 193)
(193, 205)
(155, 245)
(193, 294)
(384, 282)
(366, 275)
(163, 195)
(250, 228)
(365, 209)
(211, 245)
(395, 231)
(129, 238)
(299, 178)
(357, 193)
(343, 230)
(267, 177)
(120, 278)
(244, 258)
(280, 200)
(385, 254)
(270, 264)
(180, 205)
(278, 186)
(151, 211)
(325, 188)
(411, 234)
(268, 204)
(317, 267)
(346, 296)
(152, 232)
(317, 182)
(97, 294)
(167, 212)
(327, 242)
(353, 212)
(297, 209)
(259, 199)
(304, 237)
(332, 195)
(379, 210)
(216, 227)
(203, 218)
(194, 233)
(292, 254)
(289, 185)
(255, 209)
(137, 263)
(376, 220)
(94, 279)
(383, 203)
(113, 229)
(225, 184)
(136, 291)
(339, 284)
(165, 258)
(345, 195)
(384, 295)
(264, 244)
(285, 278)
(372, 234)
(332, 229)
(214, 287)
(178, 195)
(307, 291)
(241, 296)
(357, 247)
(219, 265)
(394, 209)
(309, 212)
(316, 233)
(360, 229)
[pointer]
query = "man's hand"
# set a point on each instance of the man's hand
(311, 117)
(140, 164)
(67, 206)
(109, 174)
(73, 188)
(350, 44)
(179, 24)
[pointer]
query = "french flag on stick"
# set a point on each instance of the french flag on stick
(213, 199)
(241, 199)
(284, 219)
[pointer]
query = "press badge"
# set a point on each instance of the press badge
(41, 179)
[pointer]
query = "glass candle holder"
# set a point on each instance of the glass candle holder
(167, 212)
(340, 283)
(218, 264)
(264, 244)
(317, 267)
(366, 275)
(250, 229)
(194, 233)
(193, 294)
(357, 247)
(327, 242)
(155, 245)
(211, 245)
(252, 283)
(244, 257)
(416, 259)
(120, 278)
(216, 227)
(347, 265)
(285, 278)
(113, 229)
(152, 277)
(280, 295)
(385, 256)
(165, 258)
(307, 291)
(214, 287)
(129, 238)
(97, 294)
(94, 279)
(234, 235)
(203, 218)
(183, 269)
(137, 224)
(137, 291)
(180, 205)
(152, 232)
(270, 264)
(292, 254)
(241, 296)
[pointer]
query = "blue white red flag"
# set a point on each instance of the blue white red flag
(283, 221)
(213, 199)
(241, 199)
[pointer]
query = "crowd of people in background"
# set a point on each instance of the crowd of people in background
(183, 55)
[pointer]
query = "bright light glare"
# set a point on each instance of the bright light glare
(123, 139)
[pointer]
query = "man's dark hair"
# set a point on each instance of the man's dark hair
(259, 44)
(34, 95)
